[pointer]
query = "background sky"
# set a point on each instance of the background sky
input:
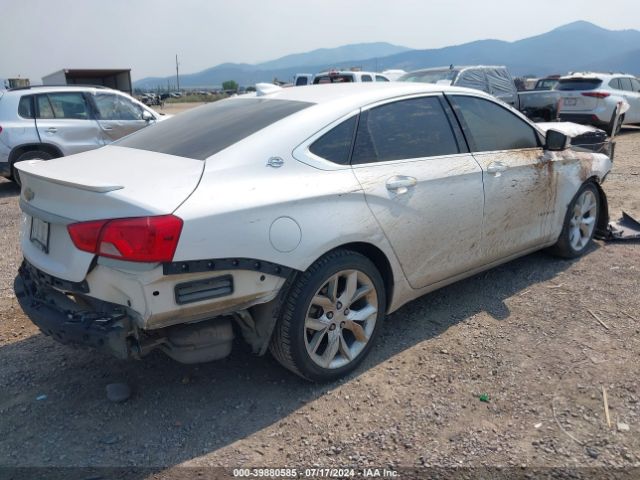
(38, 37)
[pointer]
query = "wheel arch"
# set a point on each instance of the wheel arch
(603, 216)
(31, 147)
(379, 260)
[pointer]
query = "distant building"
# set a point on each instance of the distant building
(119, 79)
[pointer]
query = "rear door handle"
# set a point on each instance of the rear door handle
(400, 184)
(496, 167)
(52, 130)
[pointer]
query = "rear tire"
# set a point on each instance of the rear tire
(330, 317)
(30, 155)
(580, 223)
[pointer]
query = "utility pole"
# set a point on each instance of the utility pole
(177, 73)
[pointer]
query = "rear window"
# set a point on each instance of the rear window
(205, 131)
(341, 78)
(429, 76)
(579, 84)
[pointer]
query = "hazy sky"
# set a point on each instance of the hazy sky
(38, 37)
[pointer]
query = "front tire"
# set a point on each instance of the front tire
(330, 317)
(31, 155)
(580, 223)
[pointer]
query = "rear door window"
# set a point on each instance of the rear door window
(625, 83)
(635, 84)
(491, 127)
(615, 84)
(405, 129)
(380, 78)
(67, 105)
(367, 78)
(335, 145)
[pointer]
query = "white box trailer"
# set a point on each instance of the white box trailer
(119, 79)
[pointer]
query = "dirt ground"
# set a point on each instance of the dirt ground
(524, 334)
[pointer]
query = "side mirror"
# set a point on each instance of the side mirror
(147, 116)
(556, 141)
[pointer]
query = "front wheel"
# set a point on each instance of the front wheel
(330, 317)
(580, 223)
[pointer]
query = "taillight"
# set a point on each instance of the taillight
(596, 94)
(140, 239)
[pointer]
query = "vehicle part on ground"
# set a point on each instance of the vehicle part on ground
(580, 223)
(331, 317)
(626, 228)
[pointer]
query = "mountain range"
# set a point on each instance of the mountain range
(573, 47)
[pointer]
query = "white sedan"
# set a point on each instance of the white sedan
(296, 219)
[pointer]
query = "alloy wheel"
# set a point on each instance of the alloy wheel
(583, 220)
(341, 319)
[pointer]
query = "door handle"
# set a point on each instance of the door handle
(52, 130)
(107, 128)
(400, 184)
(496, 167)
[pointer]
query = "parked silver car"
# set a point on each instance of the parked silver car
(49, 122)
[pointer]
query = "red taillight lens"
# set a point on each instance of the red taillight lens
(596, 94)
(142, 239)
(85, 235)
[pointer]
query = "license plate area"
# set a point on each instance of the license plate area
(570, 102)
(40, 234)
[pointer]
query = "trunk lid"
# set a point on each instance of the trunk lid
(112, 182)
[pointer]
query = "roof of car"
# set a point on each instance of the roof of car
(598, 75)
(361, 93)
(455, 68)
(59, 88)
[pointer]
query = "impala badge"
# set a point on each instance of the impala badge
(29, 194)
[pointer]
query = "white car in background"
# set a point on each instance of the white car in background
(348, 76)
(593, 99)
(298, 218)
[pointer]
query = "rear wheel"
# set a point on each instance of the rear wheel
(580, 223)
(331, 317)
(31, 155)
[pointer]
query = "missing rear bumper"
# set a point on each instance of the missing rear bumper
(68, 322)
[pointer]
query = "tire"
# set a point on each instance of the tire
(580, 223)
(30, 155)
(320, 335)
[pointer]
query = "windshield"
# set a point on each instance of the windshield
(429, 76)
(578, 84)
(206, 130)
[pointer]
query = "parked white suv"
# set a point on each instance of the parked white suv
(592, 99)
(48, 122)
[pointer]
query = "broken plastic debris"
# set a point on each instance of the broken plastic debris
(627, 228)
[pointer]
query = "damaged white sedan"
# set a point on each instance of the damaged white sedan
(296, 219)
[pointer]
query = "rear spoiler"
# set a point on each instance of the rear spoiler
(30, 167)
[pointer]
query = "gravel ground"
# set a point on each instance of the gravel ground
(524, 334)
